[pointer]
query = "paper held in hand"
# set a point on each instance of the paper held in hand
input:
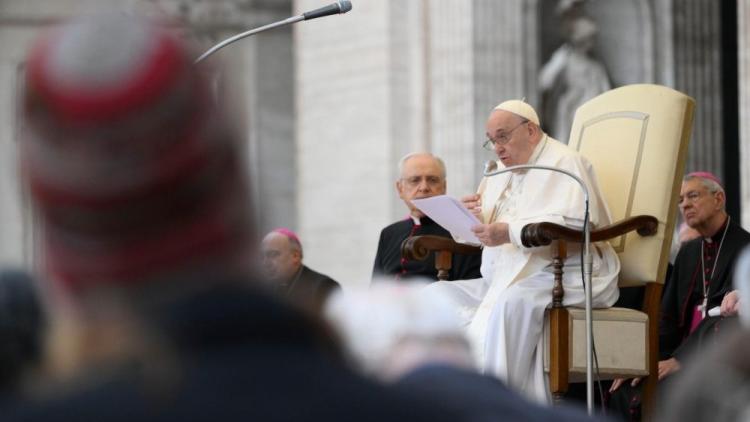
(451, 215)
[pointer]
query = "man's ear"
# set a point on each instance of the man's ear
(532, 129)
(399, 189)
(721, 198)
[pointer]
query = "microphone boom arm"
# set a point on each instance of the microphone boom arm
(226, 42)
(586, 272)
(341, 6)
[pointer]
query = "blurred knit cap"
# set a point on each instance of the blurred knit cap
(521, 109)
(130, 164)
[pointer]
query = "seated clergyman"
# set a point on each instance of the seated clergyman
(421, 175)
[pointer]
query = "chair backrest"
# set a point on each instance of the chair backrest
(636, 137)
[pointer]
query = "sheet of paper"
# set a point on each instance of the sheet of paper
(451, 215)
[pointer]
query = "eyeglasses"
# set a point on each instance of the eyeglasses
(414, 181)
(502, 139)
(693, 196)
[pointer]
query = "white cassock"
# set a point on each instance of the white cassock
(504, 310)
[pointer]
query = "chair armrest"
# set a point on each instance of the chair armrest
(542, 234)
(419, 247)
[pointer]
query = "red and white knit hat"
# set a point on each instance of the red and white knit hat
(130, 164)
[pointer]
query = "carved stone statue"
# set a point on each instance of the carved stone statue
(572, 75)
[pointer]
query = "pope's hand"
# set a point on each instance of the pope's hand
(473, 203)
(492, 234)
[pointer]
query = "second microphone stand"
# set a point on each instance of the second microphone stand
(587, 264)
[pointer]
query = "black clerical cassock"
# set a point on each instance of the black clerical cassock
(389, 263)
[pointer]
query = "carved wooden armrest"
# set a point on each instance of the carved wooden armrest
(419, 247)
(542, 234)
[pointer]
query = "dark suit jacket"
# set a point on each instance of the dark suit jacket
(310, 289)
(480, 397)
(681, 293)
(238, 356)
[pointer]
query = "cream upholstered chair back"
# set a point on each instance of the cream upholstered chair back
(636, 138)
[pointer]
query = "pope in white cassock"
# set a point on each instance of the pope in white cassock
(504, 310)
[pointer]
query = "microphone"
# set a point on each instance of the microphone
(341, 6)
(489, 166)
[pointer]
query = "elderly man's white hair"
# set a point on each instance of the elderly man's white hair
(393, 328)
(407, 157)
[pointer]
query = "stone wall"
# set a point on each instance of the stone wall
(330, 105)
(698, 73)
(386, 79)
(258, 82)
(743, 14)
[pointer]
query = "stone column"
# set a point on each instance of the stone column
(258, 81)
(743, 31)
(506, 63)
(16, 246)
(451, 80)
(482, 52)
(697, 67)
(354, 121)
(20, 21)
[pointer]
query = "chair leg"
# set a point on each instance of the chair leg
(559, 356)
(648, 397)
(443, 263)
(559, 333)
(651, 306)
(558, 398)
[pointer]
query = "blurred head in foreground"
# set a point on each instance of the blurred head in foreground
(394, 328)
(132, 167)
(136, 178)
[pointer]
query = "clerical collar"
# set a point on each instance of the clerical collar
(420, 221)
(718, 235)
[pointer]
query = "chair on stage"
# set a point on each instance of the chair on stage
(636, 137)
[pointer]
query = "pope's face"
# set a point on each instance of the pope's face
(421, 177)
(513, 138)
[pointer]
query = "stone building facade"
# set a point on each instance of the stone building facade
(331, 105)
